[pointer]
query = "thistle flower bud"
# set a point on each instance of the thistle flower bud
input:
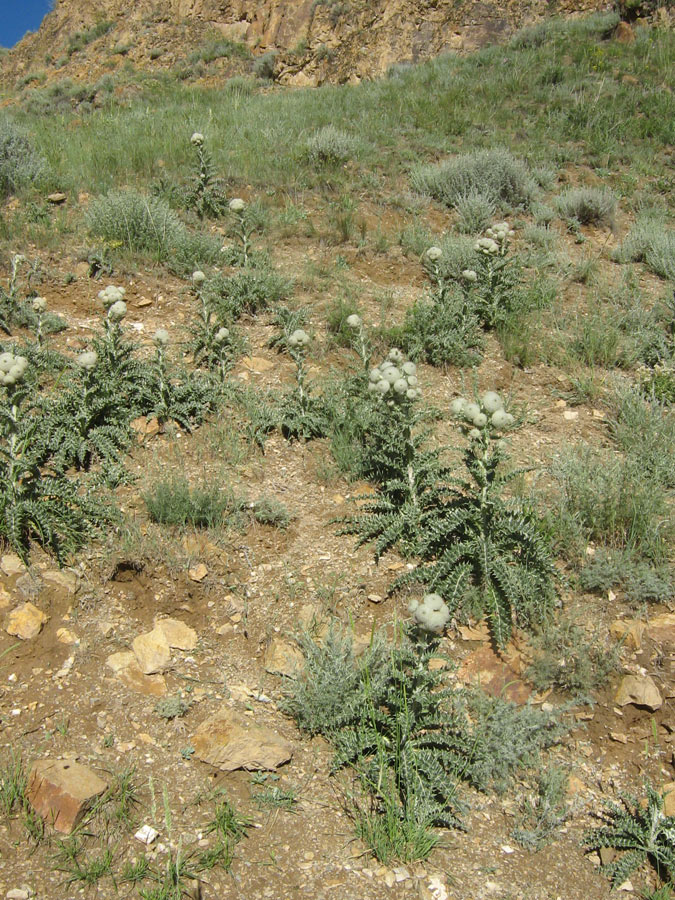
(237, 205)
(409, 368)
(491, 402)
(487, 246)
(413, 393)
(383, 386)
(12, 369)
(474, 433)
(470, 275)
(470, 411)
(457, 406)
(400, 386)
(221, 335)
(39, 304)
(161, 337)
(502, 420)
(395, 356)
(117, 311)
(480, 421)
(110, 295)
(354, 321)
(432, 613)
(434, 253)
(374, 376)
(197, 139)
(88, 360)
(299, 338)
(198, 277)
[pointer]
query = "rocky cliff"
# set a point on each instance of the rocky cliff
(315, 40)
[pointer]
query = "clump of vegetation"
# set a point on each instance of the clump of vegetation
(544, 814)
(330, 146)
(641, 832)
(650, 241)
(220, 48)
(205, 195)
(496, 174)
(587, 206)
(175, 502)
(20, 162)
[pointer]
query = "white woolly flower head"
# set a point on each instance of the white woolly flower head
(221, 335)
(354, 321)
(117, 311)
(486, 245)
(470, 275)
(198, 277)
(434, 253)
(197, 139)
(395, 378)
(87, 360)
(39, 304)
(431, 614)
(161, 337)
(298, 339)
(12, 369)
(237, 205)
(110, 295)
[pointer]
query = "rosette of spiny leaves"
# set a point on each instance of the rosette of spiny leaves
(644, 833)
(205, 194)
(411, 479)
(477, 540)
(87, 422)
(409, 734)
(34, 504)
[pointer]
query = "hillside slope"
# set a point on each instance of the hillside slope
(316, 40)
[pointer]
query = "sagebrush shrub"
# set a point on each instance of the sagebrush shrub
(495, 172)
(20, 162)
(587, 205)
(137, 222)
(330, 146)
(650, 241)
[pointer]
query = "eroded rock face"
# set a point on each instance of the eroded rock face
(339, 42)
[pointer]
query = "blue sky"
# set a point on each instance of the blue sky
(19, 16)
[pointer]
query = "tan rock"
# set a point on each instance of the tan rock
(283, 658)
(640, 690)
(62, 578)
(65, 636)
(152, 652)
(662, 628)
(25, 621)
(230, 741)
(668, 793)
(198, 573)
(5, 598)
(630, 632)
(11, 564)
(125, 666)
(57, 198)
(119, 661)
(176, 633)
(494, 675)
(61, 791)
(257, 364)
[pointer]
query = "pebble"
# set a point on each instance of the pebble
(17, 894)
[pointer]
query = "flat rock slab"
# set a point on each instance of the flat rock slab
(283, 658)
(176, 633)
(62, 791)
(126, 668)
(230, 741)
(25, 621)
(11, 564)
(152, 652)
(640, 690)
(492, 673)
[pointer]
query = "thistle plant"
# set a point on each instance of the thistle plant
(300, 414)
(87, 422)
(490, 286)
(411, 479)
(211, 343)
(34, 505)
(8, 298)
(360, 340)
(185, 401)
(643, 831)
(39, 305)
(205, 194)
(242, 228)
(475, 543)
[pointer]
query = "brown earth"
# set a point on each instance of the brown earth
(259, 583)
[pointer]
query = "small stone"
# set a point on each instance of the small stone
(17, 894)
(283, 658)
(57, 198)
(257, 364)
(62, 578)
(25, 622)
(631, 633)
(64, 636)
(198, 573)
(619, 737)
(61, 791)
(10, 564)
(5, 598)
(570, 415)
(607, 855)
(144, 301)
(177, 633)
(225, 630)
(375, 598)
(152, 652)
(389, 878)
(119, 661)
(146, 834)
(640, 690)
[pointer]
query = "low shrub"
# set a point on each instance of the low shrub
(20, 163)
(587, 206)
(651, 242)
(330, 147)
